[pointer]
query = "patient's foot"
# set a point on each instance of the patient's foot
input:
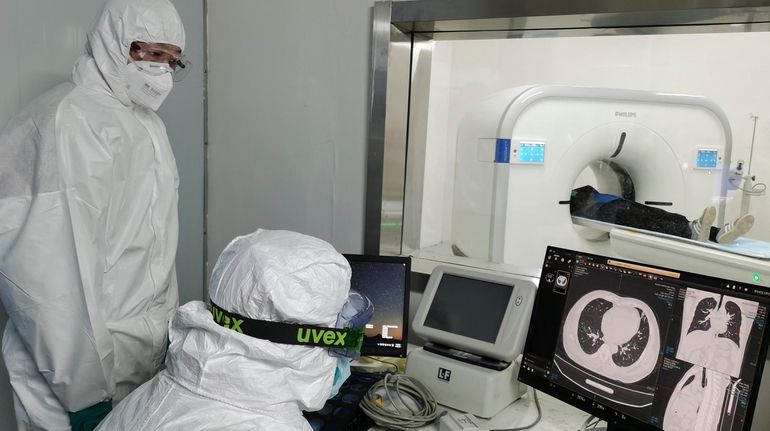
(701, 227)
(731, 231)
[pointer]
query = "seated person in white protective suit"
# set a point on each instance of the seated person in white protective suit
(88, 224)
(258, 357)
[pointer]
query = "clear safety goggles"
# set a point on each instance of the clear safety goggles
(164, 60)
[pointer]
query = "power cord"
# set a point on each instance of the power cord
(588, 424)
(536, 421)
(400, 402)
(757, 189)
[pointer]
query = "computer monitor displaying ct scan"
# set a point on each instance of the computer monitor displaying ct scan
(385, 281)
(645, 347)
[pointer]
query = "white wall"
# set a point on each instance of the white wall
(288, 104)
(183, 113)
(40, 41)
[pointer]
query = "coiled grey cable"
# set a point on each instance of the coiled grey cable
(409, 403)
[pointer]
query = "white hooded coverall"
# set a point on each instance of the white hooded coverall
(88, 230)
(219, 379)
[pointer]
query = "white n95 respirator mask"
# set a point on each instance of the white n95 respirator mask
(148, 83)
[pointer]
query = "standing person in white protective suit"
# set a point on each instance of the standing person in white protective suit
(88, 224)
(244, 364)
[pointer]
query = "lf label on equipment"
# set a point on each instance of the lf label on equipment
(444, 374)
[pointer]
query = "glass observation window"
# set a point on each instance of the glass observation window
(584, 138)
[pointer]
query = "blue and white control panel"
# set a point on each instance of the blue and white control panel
(707, 158)
(528, 152)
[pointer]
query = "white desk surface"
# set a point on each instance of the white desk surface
(557, 416)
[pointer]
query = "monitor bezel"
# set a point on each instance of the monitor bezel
(506, 346)
(617, 419)
(391, 352)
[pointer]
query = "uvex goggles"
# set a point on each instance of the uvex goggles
(344, 341)
(162, 60)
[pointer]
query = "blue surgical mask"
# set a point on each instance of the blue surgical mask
(341, 373)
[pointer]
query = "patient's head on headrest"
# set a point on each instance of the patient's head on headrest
(580, 198)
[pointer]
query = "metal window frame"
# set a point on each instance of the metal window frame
(397, 26)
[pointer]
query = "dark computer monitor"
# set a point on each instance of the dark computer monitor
(645, 347)
(385, 280)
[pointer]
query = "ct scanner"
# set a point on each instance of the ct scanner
(523, 150)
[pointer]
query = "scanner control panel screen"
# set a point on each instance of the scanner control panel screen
(707, 159)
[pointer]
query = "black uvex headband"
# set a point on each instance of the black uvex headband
(289, 333)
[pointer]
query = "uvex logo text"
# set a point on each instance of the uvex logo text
(227, 321)
(328, 337)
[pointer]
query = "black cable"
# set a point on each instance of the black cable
(384, 362)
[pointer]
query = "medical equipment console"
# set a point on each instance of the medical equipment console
(475, 323)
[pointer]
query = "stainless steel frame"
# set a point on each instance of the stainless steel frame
(398, 25)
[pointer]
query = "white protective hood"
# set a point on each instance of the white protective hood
(123, 22)
(88, 230)
(220, 379)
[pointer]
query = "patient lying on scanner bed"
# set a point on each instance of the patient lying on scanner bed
(589, 203)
